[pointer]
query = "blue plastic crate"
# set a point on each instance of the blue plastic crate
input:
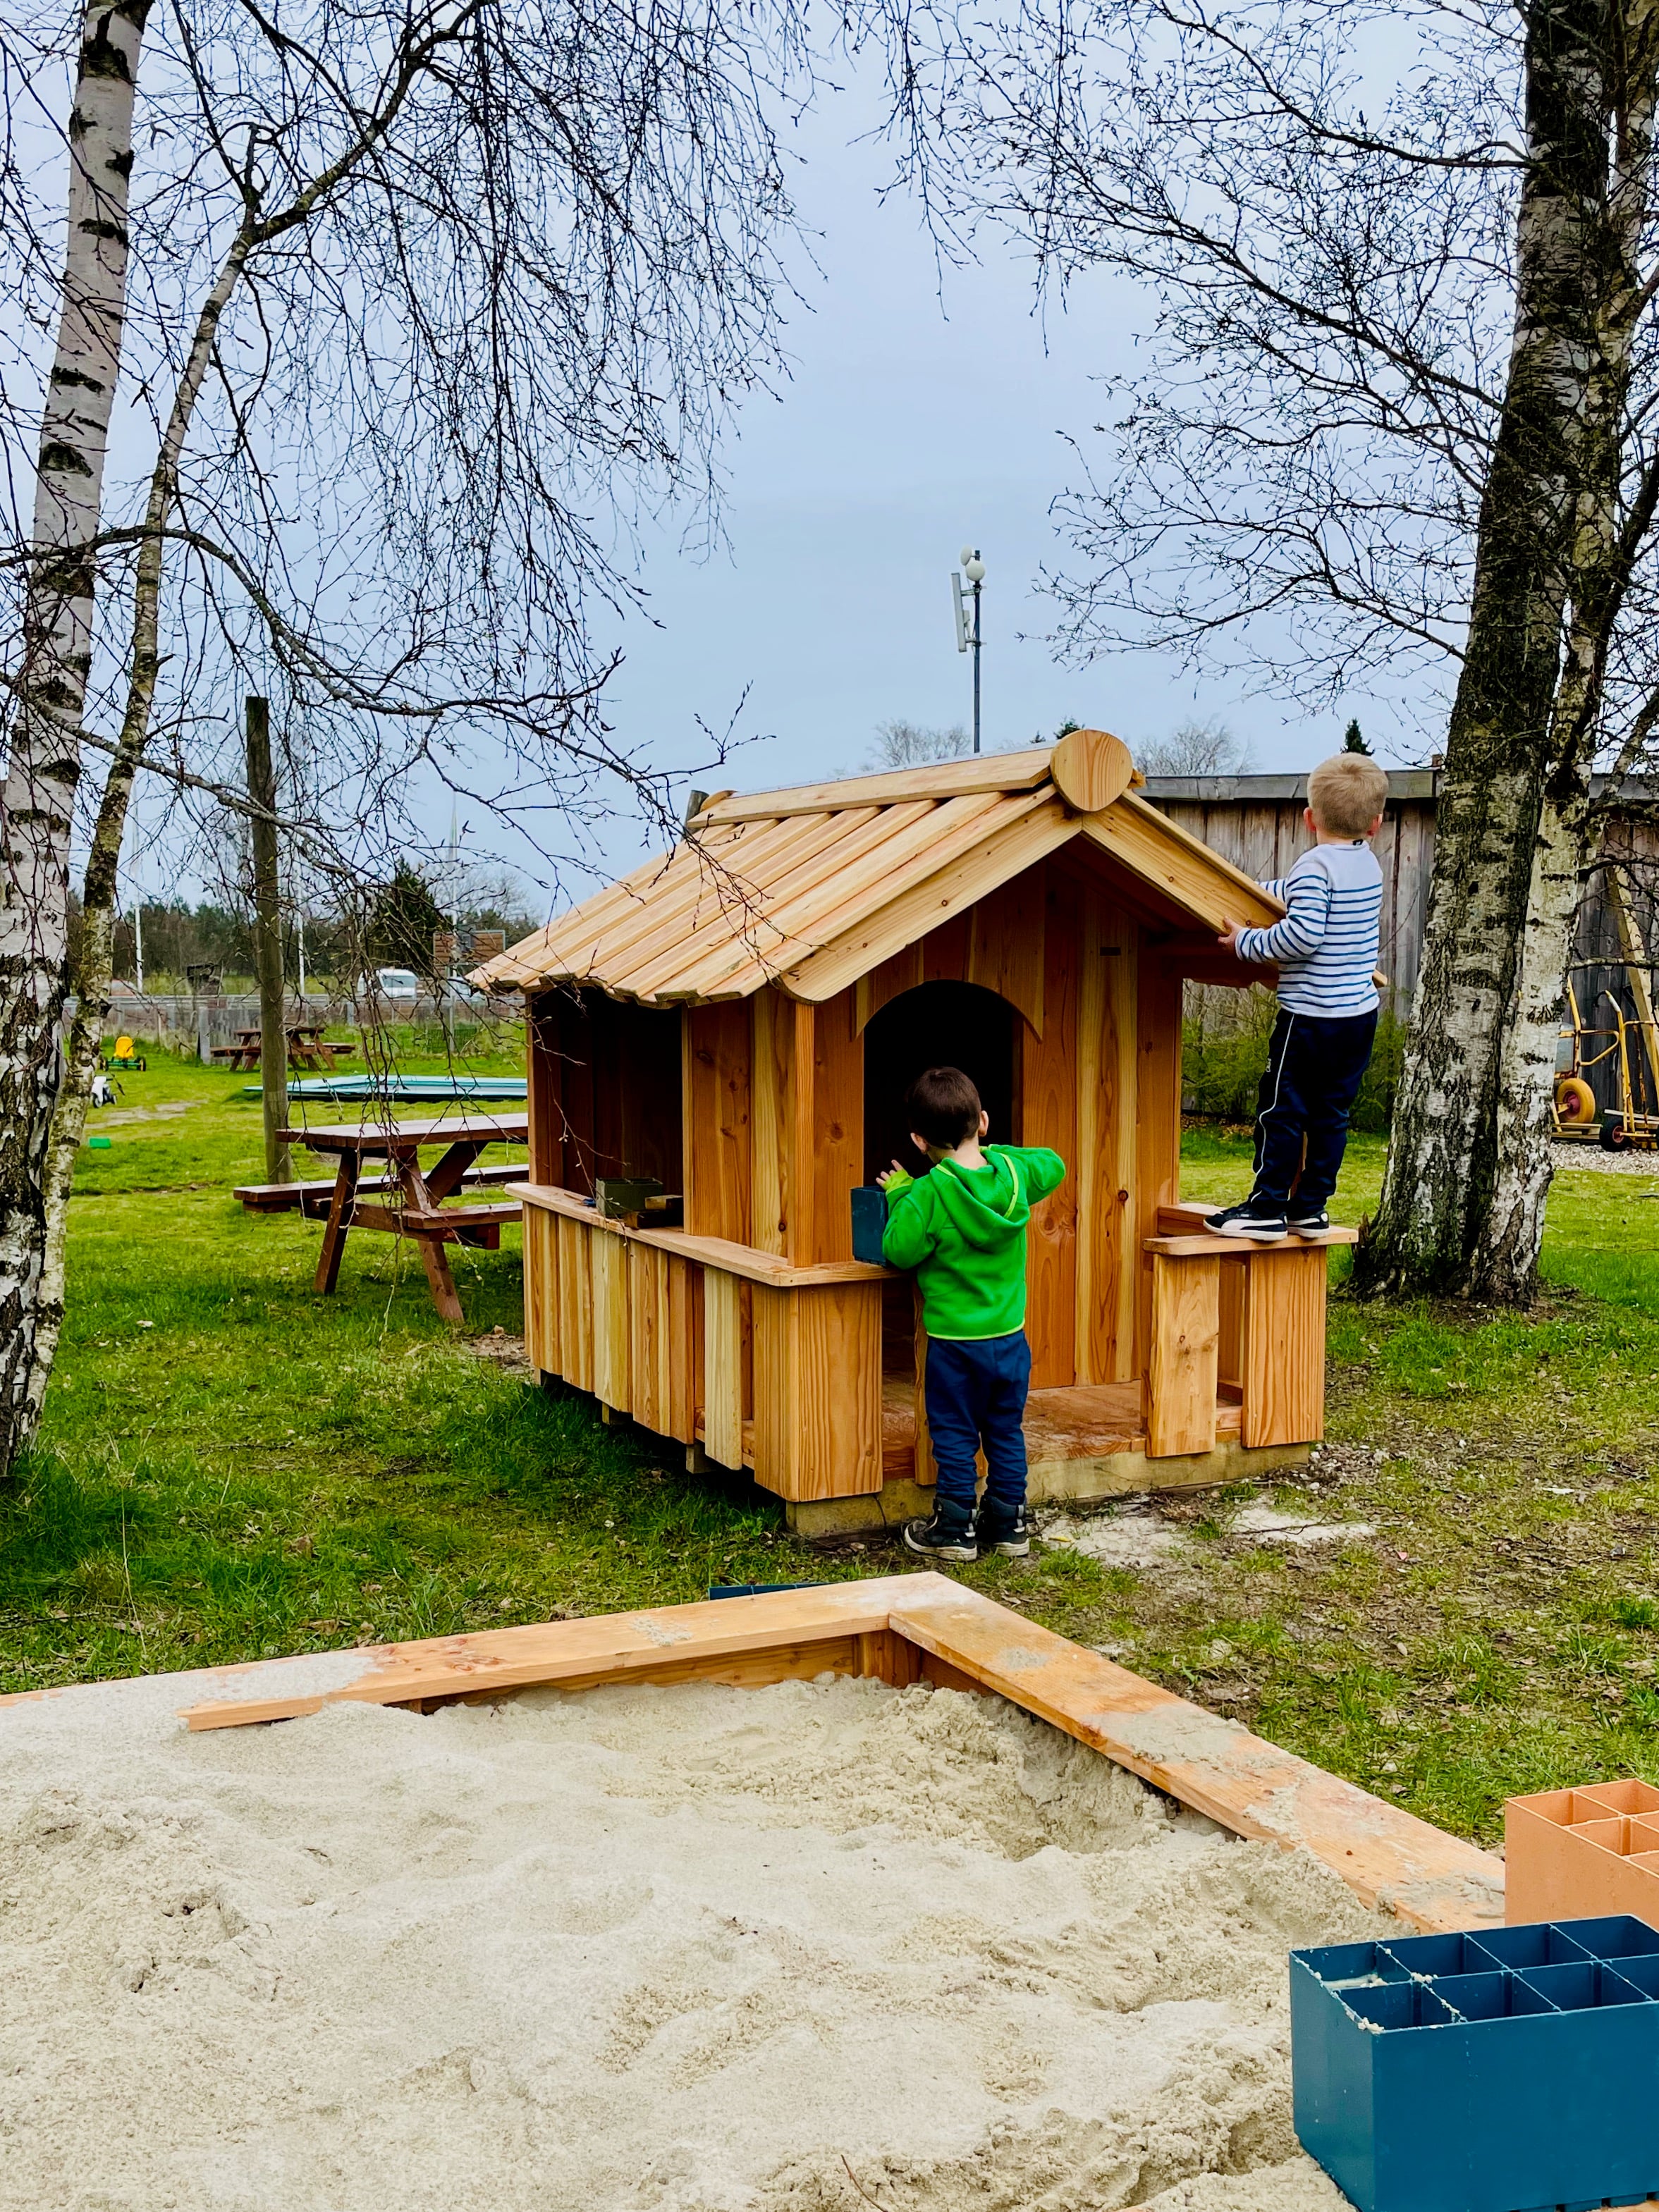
(1512, 2069)
(869, 1222)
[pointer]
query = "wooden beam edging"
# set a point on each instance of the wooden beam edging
(611, 1646)
(1387, 1856)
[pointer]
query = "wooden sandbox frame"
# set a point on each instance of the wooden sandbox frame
(904, 1629)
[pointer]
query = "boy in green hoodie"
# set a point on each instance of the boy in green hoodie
(961, 1228)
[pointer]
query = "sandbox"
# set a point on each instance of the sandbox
(671, 1947)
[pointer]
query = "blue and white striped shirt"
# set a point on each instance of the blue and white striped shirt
(1326, 946)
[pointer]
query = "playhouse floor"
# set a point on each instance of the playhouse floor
(1085, 1421)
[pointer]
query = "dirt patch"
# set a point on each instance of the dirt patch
(504, 1351)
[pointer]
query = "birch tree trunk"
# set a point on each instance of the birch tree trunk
(1462, 1205)
(43, 764)
(91, 979)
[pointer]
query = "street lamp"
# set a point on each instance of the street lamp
(974, 568)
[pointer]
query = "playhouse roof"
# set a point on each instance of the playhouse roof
(811, 887)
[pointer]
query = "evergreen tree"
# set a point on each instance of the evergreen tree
(401, 922)
(1352, 740)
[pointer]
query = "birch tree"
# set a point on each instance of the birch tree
(1397, 424)
(423, 302)
(49, 675)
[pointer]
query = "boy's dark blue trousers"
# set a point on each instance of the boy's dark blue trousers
(975, 1396)
(1314, 1065)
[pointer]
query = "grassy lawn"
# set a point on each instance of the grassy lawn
(233, 1466)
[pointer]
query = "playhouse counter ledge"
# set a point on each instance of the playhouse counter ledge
(744, 1261)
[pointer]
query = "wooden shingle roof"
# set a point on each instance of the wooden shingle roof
(811, 887)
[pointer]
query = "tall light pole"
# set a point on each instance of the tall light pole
(974, 568)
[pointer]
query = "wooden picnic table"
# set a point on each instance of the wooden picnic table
(306, 1048)
(414, 1207)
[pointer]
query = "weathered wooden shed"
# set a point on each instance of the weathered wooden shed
(739, 1019)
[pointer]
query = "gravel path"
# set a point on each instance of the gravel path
(1571, 1152)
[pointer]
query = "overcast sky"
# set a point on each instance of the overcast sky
(924, 411)
(919, 418)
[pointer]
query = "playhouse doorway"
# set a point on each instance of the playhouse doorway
(936, 1025)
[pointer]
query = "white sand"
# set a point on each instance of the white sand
(662, 1950)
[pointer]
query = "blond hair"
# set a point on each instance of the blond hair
(1346, 795)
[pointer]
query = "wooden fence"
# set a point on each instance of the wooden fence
(1255, 821)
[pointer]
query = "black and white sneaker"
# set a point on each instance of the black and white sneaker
(1009, 1539)
(1257, 1219)
(946, 1536)
(1307, 1224)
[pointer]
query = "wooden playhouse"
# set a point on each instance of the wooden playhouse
(738, 1020)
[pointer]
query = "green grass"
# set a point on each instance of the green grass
(233, 1466)
(1499, 1634)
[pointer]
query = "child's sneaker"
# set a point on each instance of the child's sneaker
(1010, 1539)
(1259, 1219)
(1307, 1223)
(946, 1536)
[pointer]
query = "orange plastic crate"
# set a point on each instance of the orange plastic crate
(1572, 1854)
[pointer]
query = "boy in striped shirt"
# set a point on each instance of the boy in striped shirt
(1325, 951)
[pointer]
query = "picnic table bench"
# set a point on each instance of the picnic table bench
(306, 1048)
(311, 1196)
(414, 1197)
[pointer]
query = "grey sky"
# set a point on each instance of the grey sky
(916, 420)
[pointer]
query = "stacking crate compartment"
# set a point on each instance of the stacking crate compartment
(1510, 2070)
(1569, 1852)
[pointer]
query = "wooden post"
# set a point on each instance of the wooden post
(1635, 956)
(268, 943)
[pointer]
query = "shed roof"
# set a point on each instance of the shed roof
(813, 887)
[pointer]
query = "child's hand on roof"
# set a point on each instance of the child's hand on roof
(1228, 938)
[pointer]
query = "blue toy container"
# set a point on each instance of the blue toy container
(1514, 2069)
(869, 1222)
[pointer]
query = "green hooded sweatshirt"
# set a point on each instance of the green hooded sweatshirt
(963, 1229)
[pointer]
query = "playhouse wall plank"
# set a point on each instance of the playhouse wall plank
(1157, 1124)
(772, 1081)
(608, 1261)
(575, 1303)
(837, 1125)
(575, 1075)
(717, 1155)
(541, 1291)
(722, 1368)
(647, 1326)
(545, 1089)
(840, 1391)
(1182, 1376)
(1120, 1263)
(886, 981)
(1284, 1348)
(1006, 938)
(1047, 1067)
